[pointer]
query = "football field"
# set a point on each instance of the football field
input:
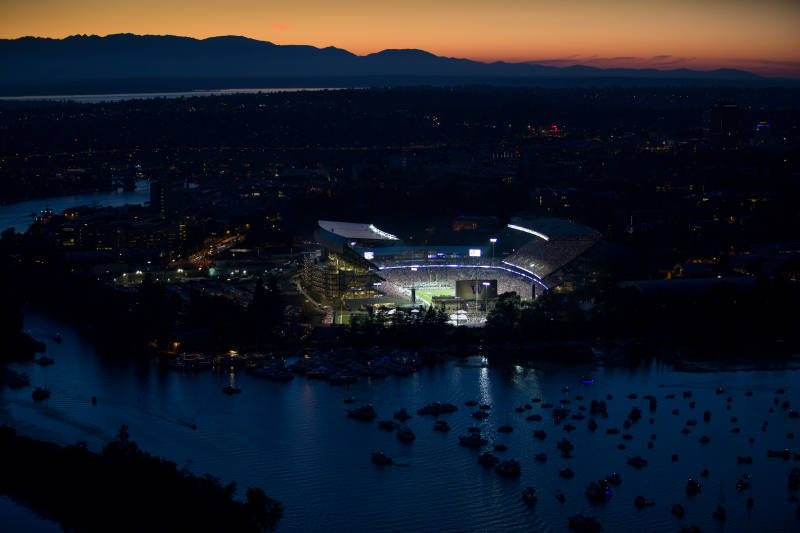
(426, 295)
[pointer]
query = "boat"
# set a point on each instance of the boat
(746, 460)
(470, 403)
(640, 502)
(794, 478)
(441, 425)
(678, 510)
(598, 491)
(500, 447)
(509, 468)
(318, 374)
(366, 412)
(783, 454)
(693, 487)
(402, 415)
(614, 478)
(529, 496)
(391, 425)
(474, 440)
(637, 461)
(437, 409)
(565, 445)
(40, 394)
(541, 457)
(58, 338)
(405, 434)
(533, 418)
(567, 473)
(480, 414)
(44, 360)
(560, 497)
(505, 429)
(342, 379)
(349, 399)
(592, 424)
(487, 459)
(94, 400)
(704, 440)
(272, 373)
(719, 514)
(230, 389)
(379, 458)
(540, 434)
(13, 379)
(190, 362)
(584, 524)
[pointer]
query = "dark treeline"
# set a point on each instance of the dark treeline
(139, 320)
(124, 489)
(723, 321)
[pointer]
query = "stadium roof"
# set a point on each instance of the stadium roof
(352, 230)
(552, 228)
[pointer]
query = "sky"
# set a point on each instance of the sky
(757, 35)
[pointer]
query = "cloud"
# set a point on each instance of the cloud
(661, 58)
(280, 27)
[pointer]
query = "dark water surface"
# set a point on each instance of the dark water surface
(294, 441)
(20, 215)
(121, 97)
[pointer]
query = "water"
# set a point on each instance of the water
(294, 441)
(18, 215)
(120, 97)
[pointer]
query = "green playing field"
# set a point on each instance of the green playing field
(426, 295)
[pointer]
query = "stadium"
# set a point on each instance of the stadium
(358, 265)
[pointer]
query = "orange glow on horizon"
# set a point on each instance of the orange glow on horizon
(756, 35)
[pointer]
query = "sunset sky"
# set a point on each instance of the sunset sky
(761, 36)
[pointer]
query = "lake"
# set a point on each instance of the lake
(294, 440)
(19, 215)
(120, 97)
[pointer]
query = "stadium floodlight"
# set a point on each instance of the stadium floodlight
(369, 256)
(528, 230)
(486, 283)
(382, 234)
(493, 240)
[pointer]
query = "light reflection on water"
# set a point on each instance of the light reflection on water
(294, 441)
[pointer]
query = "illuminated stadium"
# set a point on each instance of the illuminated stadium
(360, 261)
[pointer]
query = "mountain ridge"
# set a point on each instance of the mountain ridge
(85, 59)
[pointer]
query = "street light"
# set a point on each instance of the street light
(493, 240)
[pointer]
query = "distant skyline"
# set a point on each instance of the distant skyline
(760, 36)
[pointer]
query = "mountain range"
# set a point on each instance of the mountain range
(30, 65)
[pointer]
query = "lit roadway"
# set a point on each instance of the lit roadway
(215, 246)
